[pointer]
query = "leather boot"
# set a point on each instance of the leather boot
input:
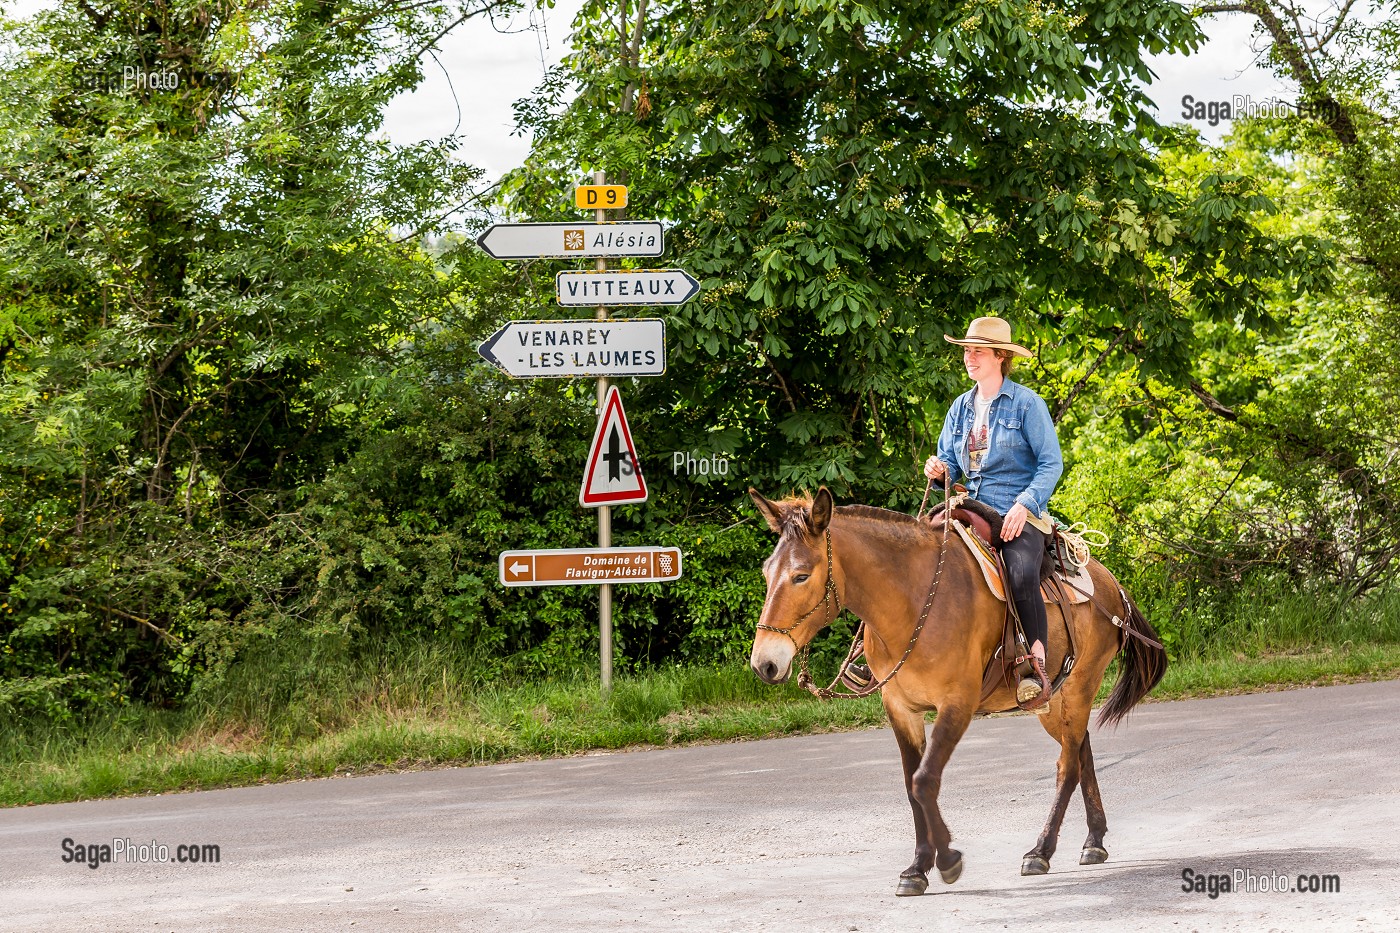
(1033, 693)
(856, 676)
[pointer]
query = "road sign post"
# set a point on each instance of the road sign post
(605, 662)
(533, 349)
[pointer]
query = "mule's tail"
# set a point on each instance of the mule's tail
(1141, 665)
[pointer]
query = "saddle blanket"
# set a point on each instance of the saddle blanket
(987, 562)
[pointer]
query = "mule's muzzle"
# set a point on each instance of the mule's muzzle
(769, 673)
(771, 662)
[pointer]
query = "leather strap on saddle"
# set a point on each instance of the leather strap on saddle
(1037, 674)
(1012, 659)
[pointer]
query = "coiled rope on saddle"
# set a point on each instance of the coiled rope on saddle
(1077, 543)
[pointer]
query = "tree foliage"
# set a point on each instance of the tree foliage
(241, 398)
(208, 261)
(856, 181)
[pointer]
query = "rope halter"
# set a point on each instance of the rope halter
(829, 597)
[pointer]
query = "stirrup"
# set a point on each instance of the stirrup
(1033, 693)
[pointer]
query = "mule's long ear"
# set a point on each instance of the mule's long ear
(822, 505)
(770, 511)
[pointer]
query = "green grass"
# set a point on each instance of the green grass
(312, 714)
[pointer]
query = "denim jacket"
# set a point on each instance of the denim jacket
(1022, 463)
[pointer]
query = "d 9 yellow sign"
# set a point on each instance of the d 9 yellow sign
(594, 197)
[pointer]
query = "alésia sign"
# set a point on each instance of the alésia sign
(562, 241)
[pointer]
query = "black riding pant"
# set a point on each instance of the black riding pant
(1023, 555)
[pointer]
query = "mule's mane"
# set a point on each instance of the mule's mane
(903, 525)
(899, 525)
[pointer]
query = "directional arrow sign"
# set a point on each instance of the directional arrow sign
(545, 241)
(576, 566)
(534, 349)
(613, 473)
(643, 287)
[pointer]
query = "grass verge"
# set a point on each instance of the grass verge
(415, 708)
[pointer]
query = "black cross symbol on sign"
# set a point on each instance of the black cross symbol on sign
(617, 459)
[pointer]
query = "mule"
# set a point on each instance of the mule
(931, 627)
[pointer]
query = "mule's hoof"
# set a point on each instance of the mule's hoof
(952, 873)
(1035, 865)
(1093, 855)
(911, 885)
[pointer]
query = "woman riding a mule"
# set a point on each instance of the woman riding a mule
(931, 625)
(999, 437)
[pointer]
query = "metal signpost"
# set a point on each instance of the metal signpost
(601, 348)
(605, 652)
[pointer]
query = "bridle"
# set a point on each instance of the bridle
(831, 596)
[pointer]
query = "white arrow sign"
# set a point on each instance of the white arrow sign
(561, 241)
(631, 287)
(534, 349)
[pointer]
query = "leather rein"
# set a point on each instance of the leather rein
(831, 596)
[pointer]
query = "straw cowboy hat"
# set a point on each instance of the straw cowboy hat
(990, 332)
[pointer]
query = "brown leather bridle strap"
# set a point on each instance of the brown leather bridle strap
(829, 593)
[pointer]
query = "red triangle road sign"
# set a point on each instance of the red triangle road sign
(613, 474)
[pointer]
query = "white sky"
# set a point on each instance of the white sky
(492, 66)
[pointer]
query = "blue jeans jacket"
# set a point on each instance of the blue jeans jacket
(1022, 463)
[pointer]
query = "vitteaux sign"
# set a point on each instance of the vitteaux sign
(634, 287)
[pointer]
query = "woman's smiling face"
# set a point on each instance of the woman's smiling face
(981, 362)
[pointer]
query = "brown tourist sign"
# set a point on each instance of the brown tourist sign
(582, 566)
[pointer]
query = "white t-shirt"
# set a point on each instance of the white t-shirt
(977, 441)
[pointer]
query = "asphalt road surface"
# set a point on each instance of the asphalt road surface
(806, 833)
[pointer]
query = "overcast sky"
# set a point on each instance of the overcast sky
(490, 66)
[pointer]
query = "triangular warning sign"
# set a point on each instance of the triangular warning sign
(613, 474)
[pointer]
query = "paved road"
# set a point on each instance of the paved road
(804, 833)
